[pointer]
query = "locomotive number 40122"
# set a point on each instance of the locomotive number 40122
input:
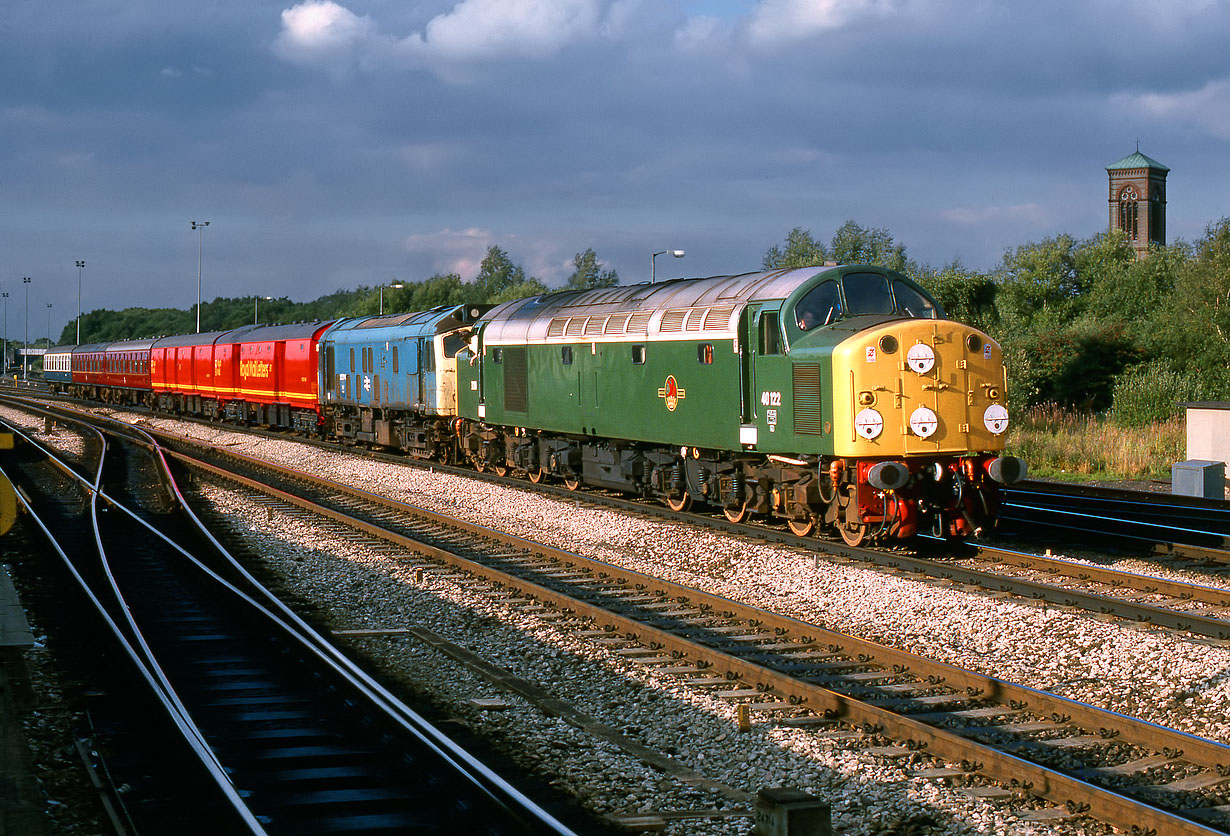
(770, 398)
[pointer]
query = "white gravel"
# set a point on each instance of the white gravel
(1159, 676)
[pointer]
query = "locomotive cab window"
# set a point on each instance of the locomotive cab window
(565, 355)
(704, 354)
(638, 355)
(821, 306)
(912, 303)
(453, 343)
(867, 293)
(770, 334)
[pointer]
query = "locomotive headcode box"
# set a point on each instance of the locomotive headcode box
(782, 811)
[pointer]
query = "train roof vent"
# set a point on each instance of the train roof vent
(576, 326)
(617, 323)
(672, 321)
(718, 317)
(556, 328)
(696, 318)
(596, 325)
(638, 323)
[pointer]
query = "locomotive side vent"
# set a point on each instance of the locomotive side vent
(807, 399)
(515, 379)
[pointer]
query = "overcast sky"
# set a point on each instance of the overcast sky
(332, 144)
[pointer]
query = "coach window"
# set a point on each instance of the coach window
(565, 355)
(638, 355)
(704, 354)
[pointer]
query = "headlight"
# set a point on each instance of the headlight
(995, 418)
(869, 424)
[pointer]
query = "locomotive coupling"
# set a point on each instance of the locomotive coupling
(1007, 470)
(888, 476)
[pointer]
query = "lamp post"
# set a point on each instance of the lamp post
(200, 243)
(397, 285)
(653, 262)
(256, 300)
(49, 343)
(4, 358)
(25, 357)
(80, 267)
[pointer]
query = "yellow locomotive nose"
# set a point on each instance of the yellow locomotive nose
(918, 388)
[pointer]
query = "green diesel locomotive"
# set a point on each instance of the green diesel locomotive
(836, 397)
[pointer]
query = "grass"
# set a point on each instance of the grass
(1064, 445)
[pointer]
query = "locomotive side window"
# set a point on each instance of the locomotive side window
(429, 355)
(704, 354)
(565, 355)
(867, 293)
(638, 355)
(770, 334)
(394, 359)
(453, 343)
(821, 306)
(330, 371)
(352, 361)
(497, 355)
(912, 303)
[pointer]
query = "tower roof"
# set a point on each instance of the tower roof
(1136, 160)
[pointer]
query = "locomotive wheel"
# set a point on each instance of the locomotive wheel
(500, 470)
(536, 475)
(738, 514)
(853, 533)
(802, 528)
(681, 504)
(480, 465)
(572, 482)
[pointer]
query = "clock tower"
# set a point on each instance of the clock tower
(1138, 200)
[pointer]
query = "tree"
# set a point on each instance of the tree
(965, 295)
(855, 244)
(496, 274)
(801, 250)
(589, 273)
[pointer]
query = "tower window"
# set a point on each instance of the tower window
(1128, 212)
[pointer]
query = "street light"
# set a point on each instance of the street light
(80, 267)
(256, 300)
(49, 343)
(4, 358)
(25, 374)
(200, 242)
(397, 285)
(653, 262)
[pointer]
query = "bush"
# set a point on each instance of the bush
(1151, 393)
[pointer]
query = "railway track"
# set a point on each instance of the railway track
(1085, 760)
(273, 729)
(1177, 605)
